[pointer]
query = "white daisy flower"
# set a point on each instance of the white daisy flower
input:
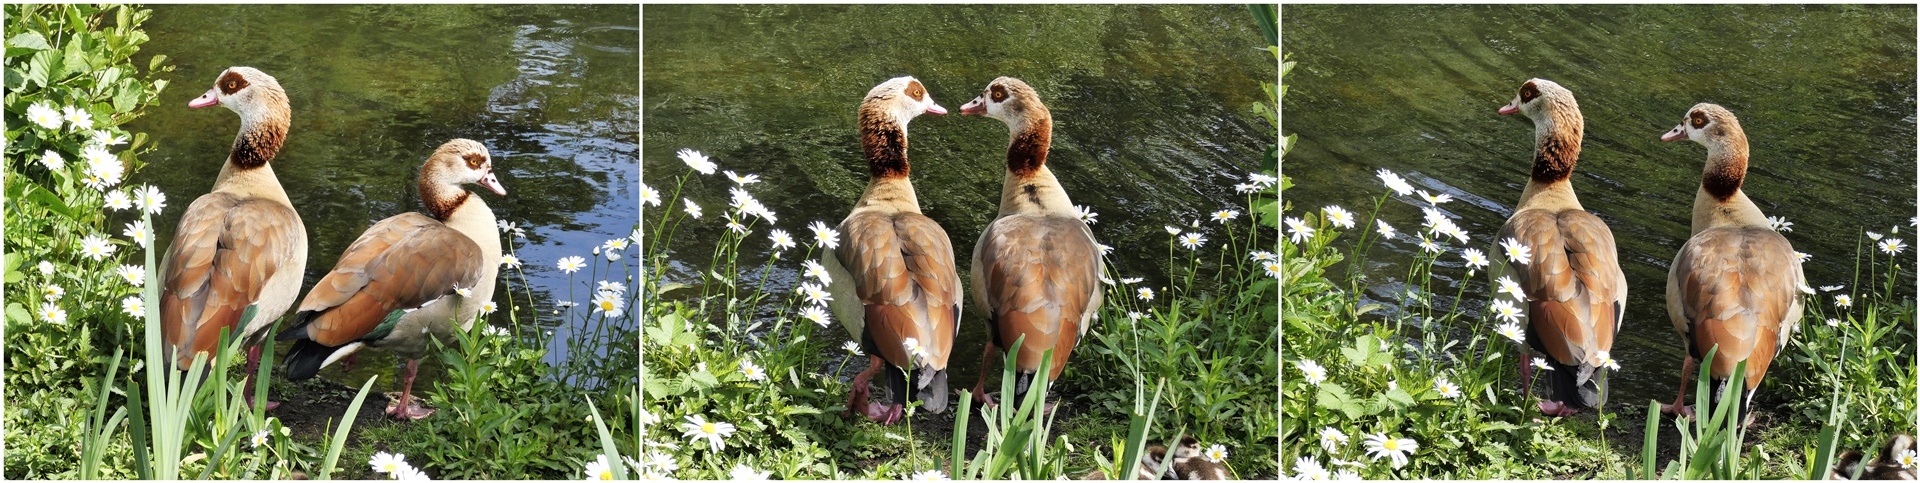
(1434, 200)
(118, 200)
(1474, 258)
(851, 347)
(743, 180)
(930, 475)
(752, 371)
(1541, 363)
(736, 226)
(1245, 187)
(52, 313)
(488, 307)
(1145, 293)
(384, 462)
(1339, 216)
(52, 160)
(104, 138)
(1516, 252)
(1193, 240)
(1873, 236)
(1298, 231)
(649, 196)
(1216, 453)
(696, 161)
(572, 264)
(693, 210)
(743, 473)
(1843, 301)
(824, 236)
(608, 303)
(1802, 257)
(1272, 268)
(1314, 373)
(1428, 245)
(1446, 388)
(1780, 223)
(816, 271)
(1833, 322)
(1332, 439)
(259, 439)
(1396, 449)
(1262, 179)
(1385, 231)
(1511, 330)
(1086, 214)
(1892, 246)
(96, 247)
(599, 469)
(1394, 182)
(509, 261)
(816, 315)
(137, 231)
(52, 292)
(134, 306)
(1510, 287)
(1262, 256)
(150, 199)
(1224, 216)
(134, 275)
(44, 115)
(781, 241)
(1830, 288)
(1606, 360)
(1172, 231)
(77, 119)
(697, 428)
(815, 293)
(46, 268)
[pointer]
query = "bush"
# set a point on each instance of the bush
(64, 312)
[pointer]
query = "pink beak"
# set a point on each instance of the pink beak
(936, 109)
(211, 98)
(493, 184)
(1510, 108)
(975, 107)
(1679, 132)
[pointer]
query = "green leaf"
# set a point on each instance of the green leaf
(26, 43)
(19, 314)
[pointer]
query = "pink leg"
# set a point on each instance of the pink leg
(980, 397)
(405, 407)
(1526, 375)
(1678, 406)
(857, 397)
(253, 366)
(346, 363)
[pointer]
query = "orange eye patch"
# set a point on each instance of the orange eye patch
(1698, 119)
(232, 82)
(998, 93)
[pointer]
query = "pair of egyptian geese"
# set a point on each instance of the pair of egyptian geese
(244, 245)
(1036, 268)
(1734, 285)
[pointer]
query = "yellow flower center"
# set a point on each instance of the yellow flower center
(606, 474)
(390, 467)
(1391, 445)
(709, 428)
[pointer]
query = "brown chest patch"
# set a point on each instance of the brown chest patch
(1723, 179)
(442, 207)
(257, 146)
(1028, 152)
(884, 144)
(1555, 158)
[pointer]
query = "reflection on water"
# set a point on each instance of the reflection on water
(1151, 125)
(551, 91)
(1825, 93)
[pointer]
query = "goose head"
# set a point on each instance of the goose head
(458, 162)
(1710, 125)
(900, 98)
(246, 91)
(1011, 101)
(1550, 106)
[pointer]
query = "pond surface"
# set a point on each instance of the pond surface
(550, 90)
(1150, 106)
(1825, 93)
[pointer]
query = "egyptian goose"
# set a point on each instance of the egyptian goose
(240, 245)
(1736, 283)
(1575, 291)
(403, 278)
(893, 279)
(1036, 269)
(1190, 464)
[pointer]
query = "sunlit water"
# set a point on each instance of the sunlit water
(550, 90)
(1150, 106)
(1825, 94)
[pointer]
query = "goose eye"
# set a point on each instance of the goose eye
(999, 93)
(1528, 92)
(474, 160)
(916, 91)
(231, 83)
(1697, 119)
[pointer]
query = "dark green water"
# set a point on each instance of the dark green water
(550, 90)
(1825, 93)
(1150, 106)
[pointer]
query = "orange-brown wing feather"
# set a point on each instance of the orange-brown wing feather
(400, 263)
(1573, 282)
(1041, 278)
(1736, 287)
(905, 277)
(224, 251)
